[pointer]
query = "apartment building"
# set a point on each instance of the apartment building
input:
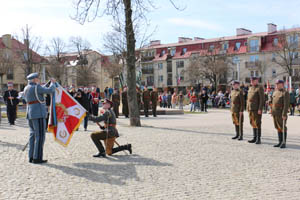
(252, 54)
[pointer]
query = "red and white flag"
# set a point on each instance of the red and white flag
(65, 116)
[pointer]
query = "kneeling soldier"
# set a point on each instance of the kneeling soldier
(280, 106)
(237, 109)
(109, 133)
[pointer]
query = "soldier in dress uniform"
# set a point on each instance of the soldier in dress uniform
(154, 99)
(95, 101)
(125, 109)
(109, 132)
(237, 109)
(255, 104)
(280, 106)
(11, 101)
(36, 115)
(146, 101)
(115, 98)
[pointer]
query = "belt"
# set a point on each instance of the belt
(110, 125)
(33, 102)
(278, 105)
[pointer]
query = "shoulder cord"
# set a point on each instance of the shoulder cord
(37, 97)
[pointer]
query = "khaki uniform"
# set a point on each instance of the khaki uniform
(115, 98)
(255, 102)
(237, 106)
(154, 99)
(280, 106)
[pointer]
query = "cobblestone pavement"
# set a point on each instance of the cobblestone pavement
(187, 156)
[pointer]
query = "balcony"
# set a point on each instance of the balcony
(253, 64)
(147, 71)
(147, 58)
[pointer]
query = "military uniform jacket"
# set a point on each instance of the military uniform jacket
(237, 101)
(115, 98)
(109, 118)
(11, 93)
(281, 102)
(36, 109)
(154, 97)
(146, 97)
(255, 99)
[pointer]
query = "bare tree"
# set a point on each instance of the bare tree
(56, 67)
(286, 50)
(215, 67)
(193, 70)
(113, 68)
(28, 50)
(129, 12)
(87, 62)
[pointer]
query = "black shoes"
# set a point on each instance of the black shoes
(38, 161)
(254, 136)
(280, 138)
(129, 148)
(258, 141)
(236, 133)
(102, 154)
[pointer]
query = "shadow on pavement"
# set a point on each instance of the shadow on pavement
(288, 146)
(8, 144)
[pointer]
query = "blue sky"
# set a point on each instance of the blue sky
(201, 18)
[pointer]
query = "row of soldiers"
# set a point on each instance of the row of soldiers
(255, 103)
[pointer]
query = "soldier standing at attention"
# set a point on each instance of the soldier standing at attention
(116, 101)
(11, 101)
(154, 99)
(280, 106)
(237, 109)
(36, 115)
(125, 109)
(109, 133)
(255, 104)
(146, 101)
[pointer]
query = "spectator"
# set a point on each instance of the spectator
(292, 101)
(193, 100)
(165, 100)
(180, 100)
(204, 98)
(110, 92)
(106, 92)
(174, 100)
(169, 99)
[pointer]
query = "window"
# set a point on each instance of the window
(254, 46)
(293, 55)
(10, 74)
(254, 58)
(180, 64)
(275, 42)
(235, 59)
(25, 56)
(162, 53)
(211, 47)
(273, 73)
(293, 40)
(295, 72)
(225, 46)
(237, 46)
(184, 50)
(161, 78)
(173, 51)
(160, 66)
(253, 73)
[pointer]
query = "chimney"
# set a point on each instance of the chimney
(243, 31)
(154, 42)
(184, 39)
(198, 38)
(6, 39)
(272, 28)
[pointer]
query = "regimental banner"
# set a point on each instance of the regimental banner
(66, 115)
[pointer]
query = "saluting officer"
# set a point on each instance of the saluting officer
(255, 104)
(154, 99)
(11, 101)
(280, 106)
(146, 101)
(237, 109)
(115, 98)
(109, 132)
(36, 115)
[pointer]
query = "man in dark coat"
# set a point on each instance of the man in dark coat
(115, 98)
(146, 101)
(125, 109)
(154, 99)
(11, 101)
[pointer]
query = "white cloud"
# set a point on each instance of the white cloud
(195, 23)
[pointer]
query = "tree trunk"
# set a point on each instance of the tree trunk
(131, 73)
